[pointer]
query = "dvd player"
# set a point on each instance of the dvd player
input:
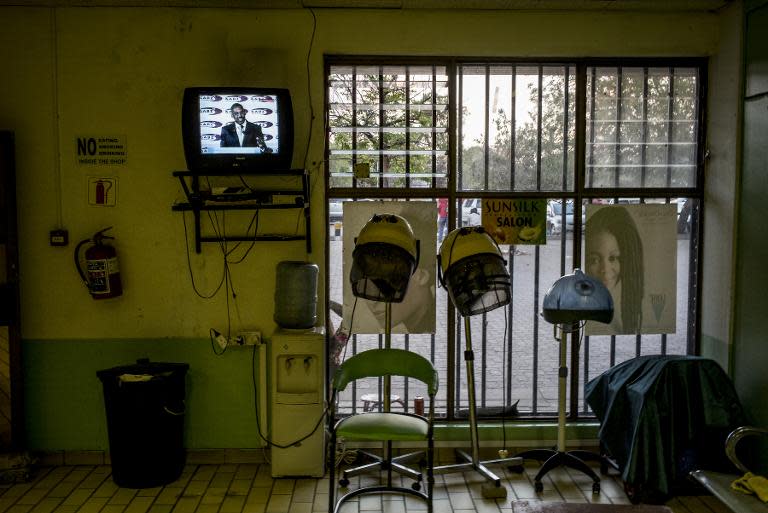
(235, 194)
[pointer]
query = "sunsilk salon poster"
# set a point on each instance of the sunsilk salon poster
(516, 221)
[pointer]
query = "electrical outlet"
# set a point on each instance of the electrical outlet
(59, 237)
(249, 338)
(244, 338)
(222, 341)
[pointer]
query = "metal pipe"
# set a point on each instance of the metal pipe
(469, 360)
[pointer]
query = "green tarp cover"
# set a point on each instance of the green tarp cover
(663, 416)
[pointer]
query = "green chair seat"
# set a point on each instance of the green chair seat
(382, 426)
(385, 427)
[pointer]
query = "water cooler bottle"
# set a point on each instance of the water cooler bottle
(297, 401)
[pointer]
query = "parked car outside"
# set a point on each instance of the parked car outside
(471, 212)
(554, 222)
(335, 210)
(557, 216)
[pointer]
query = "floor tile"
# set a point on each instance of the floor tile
(250, 488)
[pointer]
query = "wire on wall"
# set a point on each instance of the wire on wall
(56, 118)
(189, 267)
(309, 86)
(226, 282)
(220, 227)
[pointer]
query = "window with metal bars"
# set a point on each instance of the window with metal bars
(394, 119)
(642, 127)
(571, 133)
(516, 127)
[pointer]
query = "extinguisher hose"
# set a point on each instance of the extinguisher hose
(77, 260)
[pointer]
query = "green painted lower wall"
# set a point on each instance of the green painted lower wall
(519, 434)
(64, 404)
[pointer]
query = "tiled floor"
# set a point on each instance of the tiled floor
(250, 488)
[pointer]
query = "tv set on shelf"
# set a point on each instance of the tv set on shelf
(237, 129)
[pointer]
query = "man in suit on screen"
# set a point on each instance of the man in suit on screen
(242, 132)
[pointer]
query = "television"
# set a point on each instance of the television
(237, 129)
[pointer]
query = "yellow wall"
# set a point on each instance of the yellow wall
(123, 70)
(71, 72)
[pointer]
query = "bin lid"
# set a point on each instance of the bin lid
(143, 368)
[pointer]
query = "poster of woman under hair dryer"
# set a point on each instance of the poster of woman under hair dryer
(632, 250)
(416, 312)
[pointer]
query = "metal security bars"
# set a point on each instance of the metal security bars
(570, 133)
(516, 127)
(390, 121)
(642, 127)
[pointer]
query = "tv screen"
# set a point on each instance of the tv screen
(231, 130)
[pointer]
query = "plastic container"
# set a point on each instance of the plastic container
(296, 295)
(145, 422)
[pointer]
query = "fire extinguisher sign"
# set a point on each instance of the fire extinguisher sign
(102, 191)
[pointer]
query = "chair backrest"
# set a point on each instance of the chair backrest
(383, 362)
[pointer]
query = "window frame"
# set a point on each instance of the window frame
(580, 193)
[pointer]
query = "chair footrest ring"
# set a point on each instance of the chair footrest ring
(378, 489)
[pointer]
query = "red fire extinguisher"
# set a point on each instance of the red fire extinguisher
(101, 191)
(102, 275)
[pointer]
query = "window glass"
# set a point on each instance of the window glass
(516, 127)
(642, 127)
(392, 118)
(515, 136)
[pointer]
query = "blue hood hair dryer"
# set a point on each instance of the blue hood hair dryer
(577, 297)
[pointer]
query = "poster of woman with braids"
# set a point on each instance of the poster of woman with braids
(632, 250)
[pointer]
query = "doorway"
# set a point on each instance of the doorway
(11, 417)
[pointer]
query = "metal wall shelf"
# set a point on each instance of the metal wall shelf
(260, 199)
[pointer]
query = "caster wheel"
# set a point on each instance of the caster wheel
(595, 488)
(493, 491)
(517, 469)
(633, 493)
(416, 486)
(343, 482)
(538, 486)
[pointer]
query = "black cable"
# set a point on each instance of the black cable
(309, 86)
(189, 266)
(219, 228)
(228, 284)
(255, 223)
(245, 184)
(220, 231)
(212, 333)
(351, 320)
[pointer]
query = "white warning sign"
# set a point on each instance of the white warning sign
(103, 150)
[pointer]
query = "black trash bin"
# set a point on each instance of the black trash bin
(145, 421)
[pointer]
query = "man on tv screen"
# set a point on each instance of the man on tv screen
(241, 132)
